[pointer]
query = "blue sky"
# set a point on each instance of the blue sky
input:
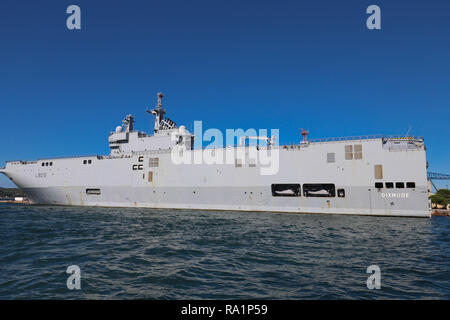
(232, 64)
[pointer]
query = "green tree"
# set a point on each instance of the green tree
(444, 193)
(438, 199)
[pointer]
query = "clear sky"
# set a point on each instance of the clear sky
(232, 64)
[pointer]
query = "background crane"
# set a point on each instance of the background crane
(437, 176)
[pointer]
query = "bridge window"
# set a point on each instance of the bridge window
(349, 152)
(353, 152)
(319, 190)
(389, 185)
(153, 162)
(286, 190)
(400, 185)
(411, 185)
(358, 151)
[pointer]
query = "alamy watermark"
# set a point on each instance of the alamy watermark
(73, 22)
(374, 280)
(261, 151)
(374, 20)
(74, 280)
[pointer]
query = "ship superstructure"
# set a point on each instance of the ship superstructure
(371, 175)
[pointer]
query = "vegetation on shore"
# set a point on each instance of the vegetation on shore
(441, 197)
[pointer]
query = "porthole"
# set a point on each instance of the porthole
(411, 185)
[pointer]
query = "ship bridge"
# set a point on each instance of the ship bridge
(166, 134)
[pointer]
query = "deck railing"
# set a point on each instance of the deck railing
(366, 137)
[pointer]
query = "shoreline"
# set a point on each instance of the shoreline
(440, 212)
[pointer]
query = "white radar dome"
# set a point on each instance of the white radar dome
(119, 129)
(182, 129)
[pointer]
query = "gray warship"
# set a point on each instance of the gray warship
(366, 175)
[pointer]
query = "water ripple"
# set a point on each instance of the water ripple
(178, 254)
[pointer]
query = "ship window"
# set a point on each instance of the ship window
(141, 159)
(46, 164)
(150, 176)
(330, 157)
(378, 185)
(153, 162)
(286, 190)
(378, 171)
(399, 185)
(349, 152)
(319, 190)
(341, 193)
(134, 166)
(358, 151)
(89, 161)
(51, 163)
(410, 184)
(389, 185)
(140, 167)
(84, 161)
(43, 163)
(93, 191)
(238, 163)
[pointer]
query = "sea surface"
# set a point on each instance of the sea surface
(178, 254)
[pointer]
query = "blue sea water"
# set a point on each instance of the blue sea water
(178, 254)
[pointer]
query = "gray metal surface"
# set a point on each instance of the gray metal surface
(131, 176)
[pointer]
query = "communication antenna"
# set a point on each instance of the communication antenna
(304, 133)
(407, 132)
(158, 112)
(128, 122)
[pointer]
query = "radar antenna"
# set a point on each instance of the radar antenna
(159, 112)
(128, 123)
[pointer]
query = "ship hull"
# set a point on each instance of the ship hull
(236, 199)
(139, 180)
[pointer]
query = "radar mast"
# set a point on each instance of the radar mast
(161, 123)
(128, 122)
(158, 112)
